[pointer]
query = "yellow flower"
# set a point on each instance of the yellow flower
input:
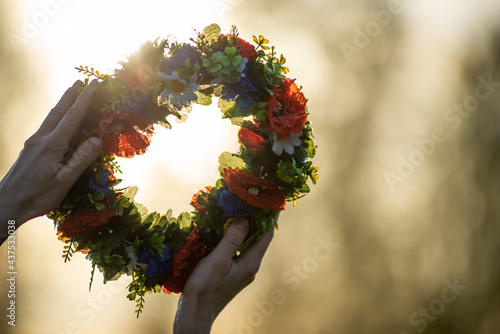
(228, 222)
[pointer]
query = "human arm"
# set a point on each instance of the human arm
(218, 278)
(39, 180)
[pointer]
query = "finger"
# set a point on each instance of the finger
(257, 251)
(232, 240)
(74, 116)
(57, 113)
(86, 153)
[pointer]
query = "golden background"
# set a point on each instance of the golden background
(407, 201)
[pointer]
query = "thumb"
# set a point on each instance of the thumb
(80, 160)
(232, 240)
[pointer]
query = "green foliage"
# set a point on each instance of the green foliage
(155, 243)
(92, 276)
(274, 71)
(229, 160)
(259, 223)
(68, 250)
(225, 66)
(137, 289)
(211, 32)
(203, 99)
(230, 110)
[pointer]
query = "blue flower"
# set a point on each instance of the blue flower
(231, 204)
(101, 185)
(180, 92)
(244, 91)
(179, 56)
(157, 265)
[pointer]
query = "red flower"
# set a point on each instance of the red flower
(286, 109)
(83, 221)
(255, 191)
(247, 50)
(125, 134)
(250, 139)
(184, 262)
(112, 177)
(194, 202)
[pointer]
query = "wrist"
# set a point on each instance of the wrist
(193, 317)
(11, 208)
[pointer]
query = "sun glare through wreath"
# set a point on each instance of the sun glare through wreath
(162, 79)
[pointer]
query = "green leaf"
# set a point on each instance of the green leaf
(169, 214)
(99, 206)
(237, 120)
(220, 184)
(227, 107)
(184, 219)
(228, 160)
(212, 32)
(203, 99)
(260, 114)
(119, 211)
(131, 192)
(67, 206)
(96, 257)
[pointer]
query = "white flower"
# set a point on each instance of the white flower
(133, 260)
(182, 92)
(286, 143)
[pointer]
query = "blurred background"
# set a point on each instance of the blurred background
(401, 233)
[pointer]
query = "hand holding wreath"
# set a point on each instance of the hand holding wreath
(40, 178)
(218, 278)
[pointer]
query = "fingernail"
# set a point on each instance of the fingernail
(95, 142)
(241, 223)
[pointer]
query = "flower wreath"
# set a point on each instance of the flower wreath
(163, 79)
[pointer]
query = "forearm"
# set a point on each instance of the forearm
(189, 319)
(11, 213)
